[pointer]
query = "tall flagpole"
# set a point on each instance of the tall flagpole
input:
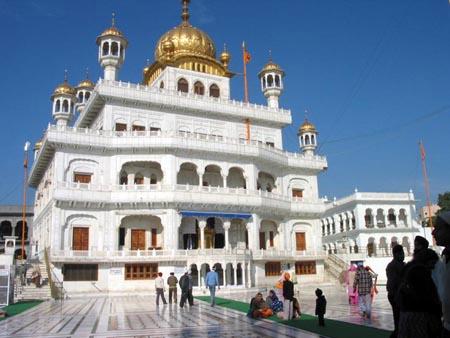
(24, 202)
(425, 181)
(247, 120)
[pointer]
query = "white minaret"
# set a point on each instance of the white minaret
(63, 99)
(271, 77)
(111, 51)
(307, 138)
(84, 91)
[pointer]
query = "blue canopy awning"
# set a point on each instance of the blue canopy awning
(188, 213)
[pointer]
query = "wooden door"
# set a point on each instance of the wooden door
(80, 239)
(137, 239)
(300, 241)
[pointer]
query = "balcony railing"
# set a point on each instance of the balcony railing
(168, 255)
(87, 192)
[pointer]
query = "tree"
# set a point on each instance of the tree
(444, 202)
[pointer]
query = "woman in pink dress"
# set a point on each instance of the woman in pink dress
(350, 276)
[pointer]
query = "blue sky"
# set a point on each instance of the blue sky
(373, 74)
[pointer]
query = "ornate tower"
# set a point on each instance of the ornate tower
(271, 77)
(84, 91)
(307, 137)
(111, 51)
(63, 99)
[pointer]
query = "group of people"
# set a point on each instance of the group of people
(284, 305)
(186, 284)
(419, 291)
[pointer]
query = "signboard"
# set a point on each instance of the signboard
(116, 271)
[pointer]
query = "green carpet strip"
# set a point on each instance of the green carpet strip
(333, 328)
(14, 309)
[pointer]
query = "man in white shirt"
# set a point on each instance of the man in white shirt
(441, 234)
(159, 286)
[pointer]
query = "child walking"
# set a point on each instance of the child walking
(321, 306)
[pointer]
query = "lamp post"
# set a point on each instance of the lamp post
(24, 204)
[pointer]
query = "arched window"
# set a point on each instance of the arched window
(270, 81)
(307, 139)
(313, 140)
(105, 49)
(199, 89)
(277, 80)
(80, 97)
(214, 90)
(121, 51)
(183, 85)
(161, 85)
(115, 49)
(123, 178)
(87, 95)
(65, 106)
(264, 82)
(58, 106)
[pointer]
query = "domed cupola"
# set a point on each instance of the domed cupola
(271, 77)
(84, 91)
(111, 50)
(63, 99)
(307, 137)
(185, 47)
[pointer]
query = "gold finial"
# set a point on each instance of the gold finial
(270, 55)
(185, 12)
(87, 73)
(224, 47)
(225, 56)
(113, 19)
(65, 75)
(148, 62)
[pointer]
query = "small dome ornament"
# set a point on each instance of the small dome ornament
(112, 32)
(64, 88)
(307, 127)
(225, 56)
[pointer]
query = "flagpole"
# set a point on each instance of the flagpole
(24, 203)
(247, 120)
(425, 181)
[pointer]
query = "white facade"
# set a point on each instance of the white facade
(153, 175)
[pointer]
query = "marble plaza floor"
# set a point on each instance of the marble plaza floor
(138, 316)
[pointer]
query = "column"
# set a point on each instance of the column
(202, 225)
(200, 179)
(243, 274)
(234, 265)
(224, 178)
(253, 233)
(224, 273)
(226, 227)
(249, 271)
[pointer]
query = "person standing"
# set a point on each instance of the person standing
(159, 286)
(211, 282)
(191, 286)
(363, 284)
(172, 282)
(394, 271)
(184, 285)
(321, 306)
(288, 295)
(441, 234)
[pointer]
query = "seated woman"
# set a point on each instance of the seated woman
(273, 302)
(259, 308)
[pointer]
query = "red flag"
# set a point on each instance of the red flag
(247, 56)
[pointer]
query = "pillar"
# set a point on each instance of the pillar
(234, 265)
(243, 274)
(202, 225)
(224, 178)
(249, 271)
(200, 179)
(226, 227)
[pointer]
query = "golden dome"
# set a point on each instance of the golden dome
(111, 31)
(271, 67)
(86, 83)
(184, 40)
(307, 127)
(63, 89)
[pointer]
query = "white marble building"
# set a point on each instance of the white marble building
(135, 178)
(366, 225)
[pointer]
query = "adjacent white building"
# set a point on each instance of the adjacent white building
(135, 178)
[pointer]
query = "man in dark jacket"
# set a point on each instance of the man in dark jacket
(321, 306)
(184, 285)
(394, 271)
